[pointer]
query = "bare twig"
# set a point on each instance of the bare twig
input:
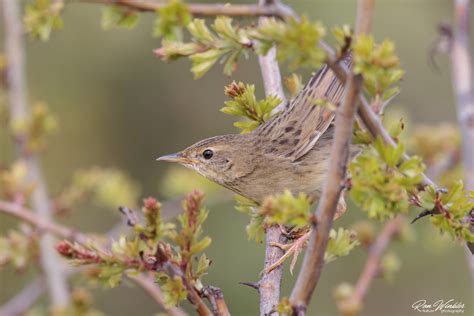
(276, 9)
(463, 88)
(17, 101)
(314, 257)
(26, 298)
(372, 264)
(45, 225)
(269, 284)
(216, 298)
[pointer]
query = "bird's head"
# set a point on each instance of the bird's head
(222, 159)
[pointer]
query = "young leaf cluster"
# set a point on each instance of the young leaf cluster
(286, 209)
(177, 181)
(170, 252)
(36, 129)
(340, 243)
(379, 65)
(296, 42)
(255, 229)
(19, 249)
(243, 103)
(382, 182)
(105, 186)
(42, 17)
(452, 208)
(13, 182)
(115, 16)
(171, 20)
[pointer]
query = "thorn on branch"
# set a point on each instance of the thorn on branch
(421, 215)
(253, 285)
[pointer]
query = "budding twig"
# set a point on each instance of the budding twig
(275, 9)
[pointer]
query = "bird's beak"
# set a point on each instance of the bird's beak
(177, 157)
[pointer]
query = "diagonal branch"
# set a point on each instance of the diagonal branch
(314, 258)
(19, 112)
(275, 9)
(372, 265)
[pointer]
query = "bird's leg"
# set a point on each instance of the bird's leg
(292, 249)
(299, 237)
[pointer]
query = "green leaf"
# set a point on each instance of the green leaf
(42, 17)
(286, 209)
(340, 243)
(174, 291)
(171, 20)
(202, 62)
(117, 16)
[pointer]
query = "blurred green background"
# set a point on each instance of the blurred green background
(119, 106)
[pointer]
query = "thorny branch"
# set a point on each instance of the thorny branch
(275, 9)
(17, 101)
(269, 284)
(314, 258)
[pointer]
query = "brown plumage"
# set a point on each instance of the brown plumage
(290, 151)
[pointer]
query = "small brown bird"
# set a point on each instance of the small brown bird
(289, 151)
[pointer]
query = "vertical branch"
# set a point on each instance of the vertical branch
(314, 258)
(19, 112)
(269, 285)
(463, 89)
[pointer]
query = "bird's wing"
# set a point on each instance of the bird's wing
(295, 131)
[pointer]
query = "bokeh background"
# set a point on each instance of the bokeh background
(119, 106)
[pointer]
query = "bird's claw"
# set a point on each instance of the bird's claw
(292, 249)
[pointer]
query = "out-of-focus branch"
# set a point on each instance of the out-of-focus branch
(269, 284)
(372, 264)
(45, 225)
(314, 258)
(463, 89)
(276, 9)
(25, 299)
(19, 112)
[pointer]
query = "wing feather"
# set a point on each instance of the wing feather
(296, 130)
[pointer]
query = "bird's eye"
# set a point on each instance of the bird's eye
(207, 154)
